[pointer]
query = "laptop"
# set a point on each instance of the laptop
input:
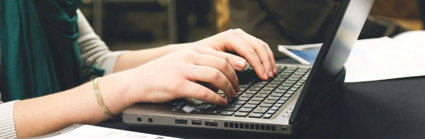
(281, 105)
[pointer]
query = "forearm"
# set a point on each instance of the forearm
(133, 59)
(42, 115)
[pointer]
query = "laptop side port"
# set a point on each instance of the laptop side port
(211, 124)
(181, 121)
(196, 122)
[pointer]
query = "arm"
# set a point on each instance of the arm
(42, 115)
(256, 52)
(155, 75)
(152, 82)
(95, 52)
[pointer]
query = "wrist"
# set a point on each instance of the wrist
(115, 91)
(135, 86)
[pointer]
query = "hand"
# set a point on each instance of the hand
(179, 74)
(257, 52)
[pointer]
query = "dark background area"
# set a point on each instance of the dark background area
(140, 24)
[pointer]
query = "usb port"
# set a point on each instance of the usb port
(196, 122)
(181, 121)
(210, 123)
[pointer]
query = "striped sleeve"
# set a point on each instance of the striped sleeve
(7, 124)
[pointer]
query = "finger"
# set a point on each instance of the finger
(238, 45)
(237, 62)
(197, 91)
(262, 49)
(222, 65)
(214, 77)
(209, 86)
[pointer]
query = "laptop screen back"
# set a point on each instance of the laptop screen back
(329, 64)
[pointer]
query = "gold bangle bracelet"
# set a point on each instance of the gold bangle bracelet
(100, 99)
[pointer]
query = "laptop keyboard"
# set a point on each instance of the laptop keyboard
(257, 98)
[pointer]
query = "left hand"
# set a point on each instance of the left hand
(255, 51)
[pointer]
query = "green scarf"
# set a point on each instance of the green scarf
(39, 49)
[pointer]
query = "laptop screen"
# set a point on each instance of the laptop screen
(328, 70)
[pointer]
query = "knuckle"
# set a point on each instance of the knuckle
(222, 64)
(226, 58)
(236, 31)
(197, 49)
(187, 55)
(202, 93)
(263, 44)
(215, 74)
(252, 53)
(178, 86)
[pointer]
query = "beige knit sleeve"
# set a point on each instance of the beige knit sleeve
(93, 50)
(7, 124)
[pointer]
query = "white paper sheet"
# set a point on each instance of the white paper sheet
(385, 58)
(95, 132)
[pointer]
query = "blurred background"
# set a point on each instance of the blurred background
(140, 24)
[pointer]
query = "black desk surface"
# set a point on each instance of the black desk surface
(382, 109)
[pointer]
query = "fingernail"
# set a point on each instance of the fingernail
(225, 102)
(234, 93)
(271, 73)
(265, 75)
(275, 70)
(241, 63)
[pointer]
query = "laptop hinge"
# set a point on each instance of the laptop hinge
(308, 115)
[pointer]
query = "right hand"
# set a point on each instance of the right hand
(178, 74)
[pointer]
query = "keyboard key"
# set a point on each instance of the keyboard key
(299, 83)
(293, 89)
(290, 82)
(243, 98)
(247, 95)
(280, 91)
(262, 95)
(250, 92)
(254, 88)
(241, 114)
(213, 112)
(253, 102)
(275, 94)
(269, 101)
(290, 92)
(232, 107)
(226, 113)
(208, 106)
(287, 95)
(267, 116)
(293, 79)
(249, 106)
(257, 99)
(271, 111)
(255, 115)
(265, 105)
(272, 98)
(238, 93)
(297, 76)
(245, 110)
(268, 88)
(273, 83)
(278, 105)
(281, 102)
(239, 102)
(274, 108)
(284, 87)
(260, 110)
(284, 98)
